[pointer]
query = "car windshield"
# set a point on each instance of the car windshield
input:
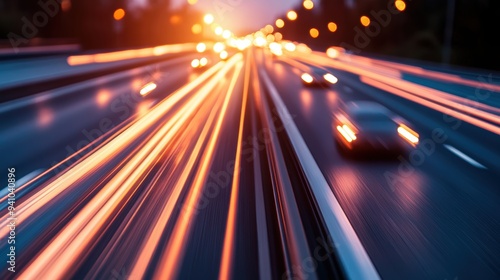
(372, 119)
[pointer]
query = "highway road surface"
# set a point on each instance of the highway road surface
(159, 170)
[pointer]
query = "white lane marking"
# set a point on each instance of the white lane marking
(348, 89)
(260, 215)
(356, 262)
(464, 156)
(23, 180)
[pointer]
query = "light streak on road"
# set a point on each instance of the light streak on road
(35, 203)
(438, 100)
(376, 66)
(128, 54)
(149, 246)
(170, 261)
(66, 248)
(456, 79)
(133, 197)
(100, 157)
(229, 236)
(479, 123)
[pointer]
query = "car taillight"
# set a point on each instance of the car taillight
(146, 89)
(307, 78)
(330, 78)
(347, 133)
(408, 134)
(195, 63)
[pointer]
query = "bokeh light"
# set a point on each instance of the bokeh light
(400, 5)
(218, 47)
(119, 14)
(289, 46)
(201, 47)
(226, 34)
(314, 32)
(65, 5)
(291, 15)
(308, 4)
(218, 30)
(365, 21)
(269, 28)
(208, 18)
(196, 28)
(175, 19)
(280, 23)
(223, 55)
(278, 36)
(332, 26)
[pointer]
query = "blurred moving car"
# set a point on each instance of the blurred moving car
(318, 78)
(365, 126)
(199, 63)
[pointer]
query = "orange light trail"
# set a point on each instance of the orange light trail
(81, 231)
(378, 66)
(169, 262)
(82, 169)
(436, 97)
(101, 156)
(128, 54)
(490, 127)
(149, 247)
(75, 239)
(228, 249)
(438, 75)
